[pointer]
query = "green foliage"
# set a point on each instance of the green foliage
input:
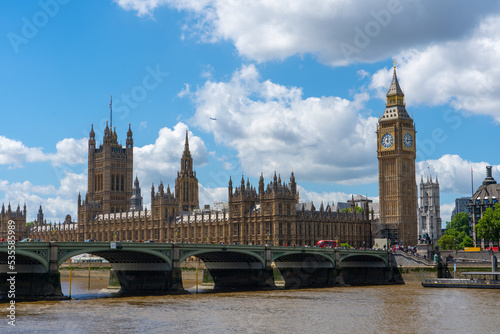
(345, 245)
(488, 227)
(467, 242)
(460, 222)
(358, 210)
(453, 239)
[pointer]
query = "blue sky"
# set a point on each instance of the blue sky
(294, 85)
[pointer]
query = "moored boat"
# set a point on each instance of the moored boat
(476, 280)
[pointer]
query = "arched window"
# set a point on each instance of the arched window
(121, 184)
(112, 182)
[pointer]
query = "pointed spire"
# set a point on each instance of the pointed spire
(186, 144)
(395, 104)
(92, 133)
(395, 89)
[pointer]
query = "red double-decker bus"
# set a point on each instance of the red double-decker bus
(327, 243)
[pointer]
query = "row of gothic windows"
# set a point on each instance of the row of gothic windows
(117, 182)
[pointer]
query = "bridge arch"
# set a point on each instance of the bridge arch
(298, 255)
(33, 259)
(217, 255)
(118, 256)
(373, 259)
(232, 267)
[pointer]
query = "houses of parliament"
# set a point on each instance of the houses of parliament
(271, 213)
(112, 208)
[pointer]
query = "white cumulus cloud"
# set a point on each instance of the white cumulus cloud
(337, 32)
(161, 161)
(454, 173)
(463, 73)
(273, 128)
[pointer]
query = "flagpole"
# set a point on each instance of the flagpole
(472, 180)
(111, 113)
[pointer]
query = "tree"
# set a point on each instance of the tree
(358, 210)
(446, 241)
(453, 239)
(488, 227)
(460, 222)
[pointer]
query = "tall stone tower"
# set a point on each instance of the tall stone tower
(429, 212)
(396, 168)
(186, 184)
(110, 173)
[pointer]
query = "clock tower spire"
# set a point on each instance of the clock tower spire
(396, 168)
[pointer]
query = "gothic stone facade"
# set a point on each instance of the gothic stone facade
(429, 212)
(19, 219)
(396, 168)
(273, 215)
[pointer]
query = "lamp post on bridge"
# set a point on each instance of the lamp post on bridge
(176, 231)
(267, 238)
(115, 235)
(208, 239)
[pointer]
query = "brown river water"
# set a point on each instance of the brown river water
(406, 308)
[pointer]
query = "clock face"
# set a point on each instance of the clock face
(408, 140)
(387, 140)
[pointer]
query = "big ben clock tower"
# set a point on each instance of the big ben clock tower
(396, 168)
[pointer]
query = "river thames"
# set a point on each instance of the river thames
(406, 308)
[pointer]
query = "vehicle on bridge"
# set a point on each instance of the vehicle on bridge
(328, 244)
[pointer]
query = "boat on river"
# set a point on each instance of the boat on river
(473, 280)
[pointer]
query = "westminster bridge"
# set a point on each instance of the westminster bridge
(154, 268)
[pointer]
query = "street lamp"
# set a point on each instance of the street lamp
(176, 231)
(208, 239)
(267, 238)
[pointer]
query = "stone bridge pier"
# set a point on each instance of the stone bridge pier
(34, 278)
(301, 270)
(240, 268)
(154, 268)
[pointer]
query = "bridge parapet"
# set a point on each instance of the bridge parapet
(154, 268)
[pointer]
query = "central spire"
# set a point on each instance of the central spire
(186, 160)
(186, 146)
(395, 89)
(395, 107)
